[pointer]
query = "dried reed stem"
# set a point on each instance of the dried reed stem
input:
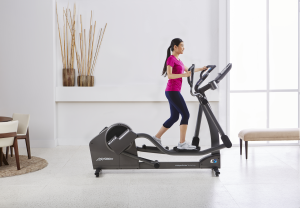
(65, 57)
(92, 45)
(67, 40)
(84, 53)
(88, 58)
(61, 49)
(80, 35)
(73, 39)
(81, 39)
(98, 49)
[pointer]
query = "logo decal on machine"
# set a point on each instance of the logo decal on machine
(104, 158)
(213, 161)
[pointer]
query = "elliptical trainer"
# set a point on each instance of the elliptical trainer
(115, 148)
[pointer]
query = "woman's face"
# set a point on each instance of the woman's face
(179, 49)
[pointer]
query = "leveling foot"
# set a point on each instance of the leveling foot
(97, 172)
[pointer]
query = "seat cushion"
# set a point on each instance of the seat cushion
(5, 142)
(269, 134)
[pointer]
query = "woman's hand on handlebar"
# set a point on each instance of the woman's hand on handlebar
(204, 68)
(201, 69)
(187, 74)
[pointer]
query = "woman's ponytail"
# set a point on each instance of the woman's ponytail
(164, 73)
(176, 42)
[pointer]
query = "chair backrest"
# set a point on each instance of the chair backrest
(8, 127)
(23, 122)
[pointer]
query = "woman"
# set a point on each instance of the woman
(175, 69)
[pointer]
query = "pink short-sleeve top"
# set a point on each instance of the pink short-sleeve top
(178, 68)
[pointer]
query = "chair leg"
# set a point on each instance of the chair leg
(241, 146)
(17, 153)
(7, 152)
(246, 149)
(28, 144)
(11, 151)
(1, 156)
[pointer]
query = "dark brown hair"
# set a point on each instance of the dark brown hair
(176, 42)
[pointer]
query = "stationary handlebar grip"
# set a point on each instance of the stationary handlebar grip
(201, 74)
(211, 66)
(192, 75)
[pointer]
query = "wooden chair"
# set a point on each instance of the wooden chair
(8, 134)
(23, 132)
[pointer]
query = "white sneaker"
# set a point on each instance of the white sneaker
(157, 139)
(185, 145)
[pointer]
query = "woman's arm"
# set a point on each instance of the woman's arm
(196, 69)
(176, 76)
(201, 69)
(186, 69)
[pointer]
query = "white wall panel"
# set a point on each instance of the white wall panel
(78, 123)
(132, 54)
(138, 33)
(129, 87)
(27, 63)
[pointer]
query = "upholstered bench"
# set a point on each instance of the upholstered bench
(267, 135)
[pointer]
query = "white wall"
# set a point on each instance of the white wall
(30, 65)
(78, 123)
(27, 63)
(131, 58)
(138, 33)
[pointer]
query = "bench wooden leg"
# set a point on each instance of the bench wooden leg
(241, 145)
(246, 149)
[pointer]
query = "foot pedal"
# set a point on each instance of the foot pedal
(148, 147)
(185, 150)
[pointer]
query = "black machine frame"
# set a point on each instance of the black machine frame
(115, 148)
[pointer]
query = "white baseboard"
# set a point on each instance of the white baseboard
(38, 143)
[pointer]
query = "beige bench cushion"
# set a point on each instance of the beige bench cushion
(269, 134)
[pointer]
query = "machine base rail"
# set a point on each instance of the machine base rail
(187, 153)
(154, 164)
(152, 150)
(172, 165)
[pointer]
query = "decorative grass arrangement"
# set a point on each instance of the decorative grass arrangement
(86, 58)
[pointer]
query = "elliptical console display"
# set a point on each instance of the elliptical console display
(115, 148)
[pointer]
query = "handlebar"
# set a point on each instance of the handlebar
(192, 75)
(203, 75)
(191, 80)
(222, 74)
